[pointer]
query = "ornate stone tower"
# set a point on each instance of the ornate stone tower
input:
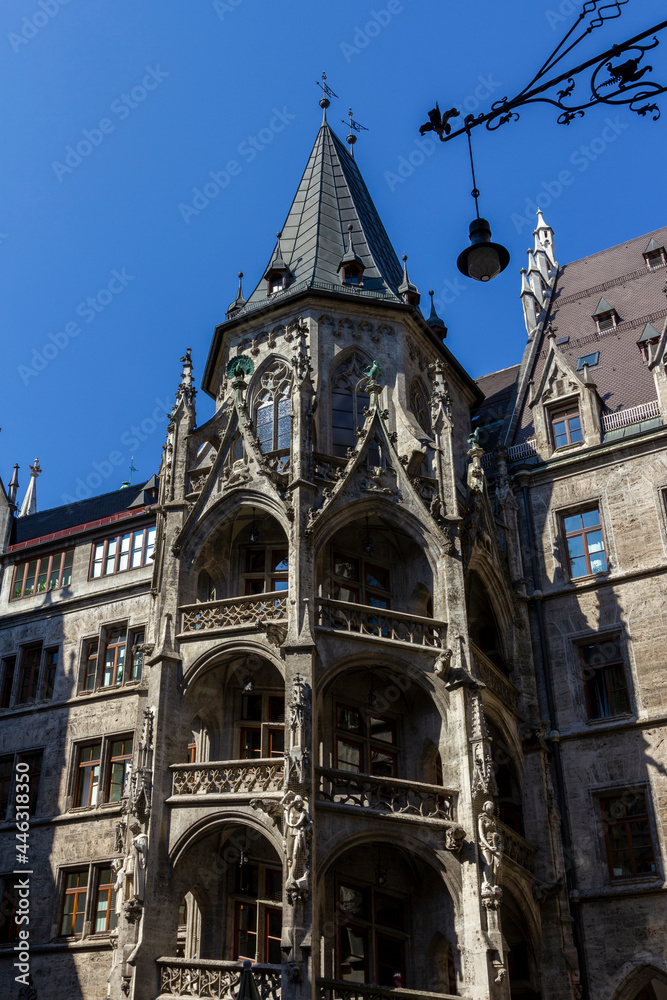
(332, 769)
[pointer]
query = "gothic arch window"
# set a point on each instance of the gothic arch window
(482, 622)
(273, 408)
(348, 399)
(419, 405)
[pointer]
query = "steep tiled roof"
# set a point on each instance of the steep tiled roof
(47, 522)
(620, 276)
(331, 196)
(499, 390)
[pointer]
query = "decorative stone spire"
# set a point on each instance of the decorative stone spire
(544, 239)
(535, 278)
(529, 302)
(407, 290)
(238, 302)
(29, 505)
(434, 321)
(186, 387)
(13, 486)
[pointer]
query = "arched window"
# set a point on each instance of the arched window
(348, 399)
(273, 408)
(419, 405)
(482, 622)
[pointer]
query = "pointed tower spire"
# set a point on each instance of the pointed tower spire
(13, 485)
(186, 387)
(408, 291)
(434, 321)
(544, 238)
(29, 505)
(238, 302)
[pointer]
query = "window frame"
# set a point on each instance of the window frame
(565, 535)
(660, 252)
(604, 667)
(265, 726)
(66, 562)
(372, 929)
(566, 413)
(9, 675)
(94, 656)
(349, 373)
(34, 674)
(262, 904)
(21, 757)
(100, 790)
(9, 929)
(616, 794)
(268, 576)
(365, 590)
(146, 548)
(93, 872)
(364, 740)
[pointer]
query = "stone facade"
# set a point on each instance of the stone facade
(350, 738)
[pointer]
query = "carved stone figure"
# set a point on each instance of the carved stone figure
(490, 843)
(140, 848)
(443, 664)
(119, 884)
(296, 833)
(454, 838)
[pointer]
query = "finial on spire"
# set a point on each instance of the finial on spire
(186, 387)
(327, 92)
(434, 321)
(238, 302)
(14, 485)
(29, 505)
(354, 127)
(407, 290)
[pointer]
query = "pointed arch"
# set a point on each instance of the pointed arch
(419, 404)
(271, 405)
(646, 982)
(348, 399)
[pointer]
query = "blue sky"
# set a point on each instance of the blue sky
(107, 273)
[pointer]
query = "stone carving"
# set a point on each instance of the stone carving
(484, 778)
(443, 664)
(379, 480)
(297, 831)
(454, 838)
(275, 633)
(119, 884)
(119, 836)
(140, 848)
(491, 847)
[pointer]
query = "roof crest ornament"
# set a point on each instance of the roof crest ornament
(327, 92)
(354, 127)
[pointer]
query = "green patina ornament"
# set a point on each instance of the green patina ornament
(373, 372)
(240, 366)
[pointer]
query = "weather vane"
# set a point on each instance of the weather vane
(132, 468)
(617, 78)
(353, 125)
(325, 88)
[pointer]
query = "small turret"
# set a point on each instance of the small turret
(239, 302)
(544, 239)
(535, 278)
(13, 486)
(409, 292)
(351, 268)
(531, 306)
(434, 321)
(277, 275)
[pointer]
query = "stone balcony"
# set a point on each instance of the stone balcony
(213, 980)
(494, 678)
(386, 626)
(240, 779)
(233, 614)
(339, 989)
(518, 850)
(390, 796)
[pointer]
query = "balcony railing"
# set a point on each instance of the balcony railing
(495, 679)
(234, 612)
(524, 450)
(631, 415)
(362, 619)
(338, 989)
(518, 850)
(386, 795)
(229, 777)
(182, 977)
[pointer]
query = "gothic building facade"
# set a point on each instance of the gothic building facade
(364, 686)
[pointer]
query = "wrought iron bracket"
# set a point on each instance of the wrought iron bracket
(618, 76)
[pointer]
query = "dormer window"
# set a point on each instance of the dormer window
(648, 341)
(654, 255)
(351, 268)
(605, 316)
(353, 276)
(277, 275)
(276, 284)
(566, 426)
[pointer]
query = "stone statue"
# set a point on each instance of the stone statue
(140, 847)
(490, 843)
(296, 832)
(119, 884)
(373, 372)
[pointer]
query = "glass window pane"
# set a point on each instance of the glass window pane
(381, 729)
(123, 561)
(572, 523)
(348, 719)
(279, 561)
(125, 543)
(578, 567)
(591, 518)
(348, 756)
(598, 563)
(382, 764)
(575, 545)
